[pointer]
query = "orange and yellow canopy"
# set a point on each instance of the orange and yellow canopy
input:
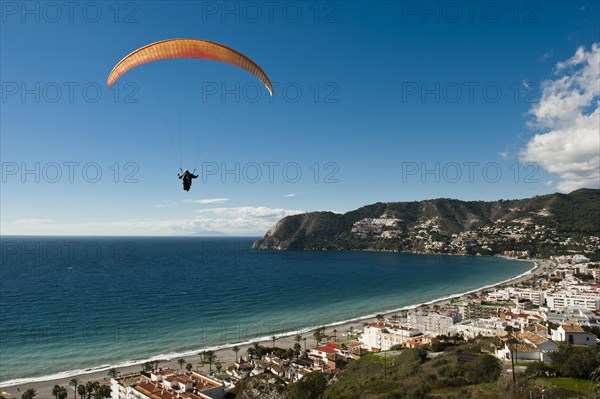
(188, 48)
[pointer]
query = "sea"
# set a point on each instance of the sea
(70, 305)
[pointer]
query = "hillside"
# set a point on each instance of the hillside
(541, 225)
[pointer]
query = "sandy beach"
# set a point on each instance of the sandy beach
(226, 356)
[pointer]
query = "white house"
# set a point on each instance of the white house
(532, 346)
(167, 384)
(383, 337)
(573, 335)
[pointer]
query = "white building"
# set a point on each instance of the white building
(536, 296)
(532, 346)
(573, 335)
(483, 327)
(431, 323)
(566, 299)
(167, 384)
(384, 336)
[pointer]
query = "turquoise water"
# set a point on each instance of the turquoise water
(69, 304)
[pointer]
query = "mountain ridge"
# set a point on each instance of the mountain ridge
(435, 225)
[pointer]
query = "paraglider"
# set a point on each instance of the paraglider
(187, 177)
(188, 48)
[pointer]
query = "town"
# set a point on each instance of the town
(558, 304)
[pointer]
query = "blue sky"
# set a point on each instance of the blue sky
(390, 101)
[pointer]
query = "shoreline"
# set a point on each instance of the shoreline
(43, 385)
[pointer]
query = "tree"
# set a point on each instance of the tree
(273, 338)
(319, 334)
(210, 358)
(304, 339)
(59, 392)
(486, 368)
(311, 386)
(180, 362)
(512, 345)
(297, 350)
(379, 318)
(335, 334)
(189, 367)
(113, 373)
(29, 394)
(81, 391)
(576, 361)
(74, 382)
(102, 391)
(236, 349)
(218, 366)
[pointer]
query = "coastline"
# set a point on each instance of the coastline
(43, 385)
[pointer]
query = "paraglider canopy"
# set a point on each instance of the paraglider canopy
(188, 48)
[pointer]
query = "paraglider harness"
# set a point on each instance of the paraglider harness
(187, 178)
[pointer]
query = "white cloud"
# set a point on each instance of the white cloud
(215, 221)
(32, 222)
(568, 120)
(207, 201)
(298, 193)
(505, 155)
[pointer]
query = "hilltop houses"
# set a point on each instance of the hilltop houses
(573, 334)
(167, 384)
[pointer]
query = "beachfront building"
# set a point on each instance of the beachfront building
(567, 299)
(167, 384)
(320, 353)
(581, 317)
(383, 336)
(240, 370)
(432, 323)
(573, 334)
(535, 295)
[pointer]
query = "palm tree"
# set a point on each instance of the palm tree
(181, 362)
(55, 391)
(319, 334)
(218, 366)
(113, 373)
(81, 391)
(74, 382)
(102, 392)
(335, 334)
(251, 352)
(210, 358)
(189, 367)
(29, 394)
(273, 338)
(304, 339)
(297, 349)
(91, 387)
(379, 318)
(236, 349)
(298, 338)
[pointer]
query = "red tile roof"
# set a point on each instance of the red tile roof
(326, 349)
